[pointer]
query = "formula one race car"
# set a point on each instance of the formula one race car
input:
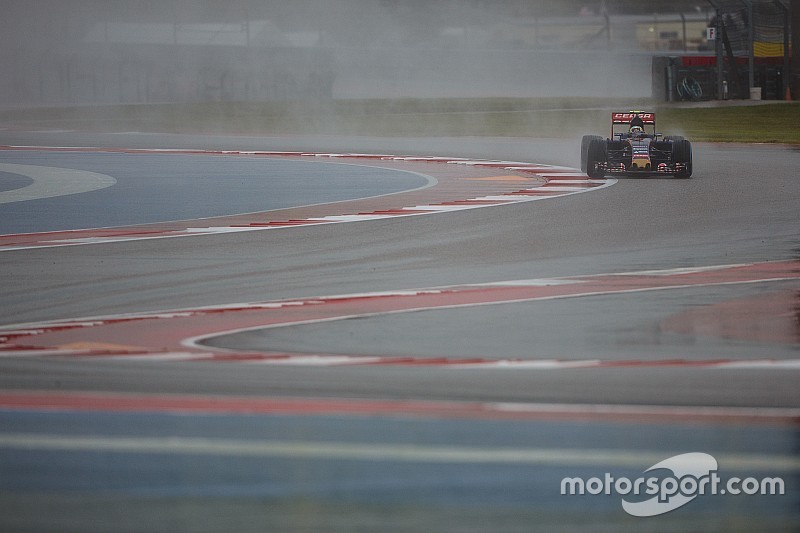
(636, 151)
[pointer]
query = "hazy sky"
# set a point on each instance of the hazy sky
(109, 51)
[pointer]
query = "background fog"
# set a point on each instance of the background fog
(136, 51)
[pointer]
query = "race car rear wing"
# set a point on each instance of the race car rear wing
(649, 119)
(625, 118)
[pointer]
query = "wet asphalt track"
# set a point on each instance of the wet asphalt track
(741, 207)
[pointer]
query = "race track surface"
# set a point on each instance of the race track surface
(438, 357)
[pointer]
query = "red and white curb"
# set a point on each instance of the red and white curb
(545, 181)
(185, 404)
(178, 335)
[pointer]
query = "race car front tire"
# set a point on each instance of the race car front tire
(682, 155)
(596, 158)
(585, 142)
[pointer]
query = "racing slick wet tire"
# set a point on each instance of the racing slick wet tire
(596, 152)
(587, 139)
(673, 138)
(682, 154)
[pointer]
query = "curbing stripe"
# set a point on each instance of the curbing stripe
(579, 183)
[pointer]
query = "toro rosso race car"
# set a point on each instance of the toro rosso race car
(635, 149)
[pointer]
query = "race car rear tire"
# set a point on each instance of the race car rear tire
(682, 155)
(585, 142)
(596, 156)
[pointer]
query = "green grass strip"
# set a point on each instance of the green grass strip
(777, 122)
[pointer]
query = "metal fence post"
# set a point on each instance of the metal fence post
(751, 61)
(718, 49)
(795, 65)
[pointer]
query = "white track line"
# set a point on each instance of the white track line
(411, 453)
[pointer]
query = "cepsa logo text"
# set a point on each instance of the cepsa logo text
(627, 117)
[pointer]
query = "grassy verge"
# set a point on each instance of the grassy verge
(544, 117)
(766, 123)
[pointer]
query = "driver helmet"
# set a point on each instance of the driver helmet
(637, 126)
